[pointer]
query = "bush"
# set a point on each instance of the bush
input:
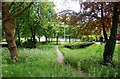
(78, 45)
(29, 44)
(83, 39)
(90, 39)
(17, 42)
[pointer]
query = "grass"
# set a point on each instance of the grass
(89, 60)
(38, 62)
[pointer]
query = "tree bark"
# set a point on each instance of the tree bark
(103, 25)
(9, 32)
(110, 44)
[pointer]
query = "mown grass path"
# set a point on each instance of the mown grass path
(61, 61)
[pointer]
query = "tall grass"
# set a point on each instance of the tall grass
(89, 60)
(38, 62)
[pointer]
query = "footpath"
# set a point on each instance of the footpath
(61, 61)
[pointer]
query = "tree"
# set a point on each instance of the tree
(37, 20)
(9, 14)
(110, 44)
(45, 16)
(101, 11)
(69, 19)
(19, 24)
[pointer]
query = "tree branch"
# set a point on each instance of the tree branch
(95, 16)
(11, 4)
(23, 10)
(18, 6)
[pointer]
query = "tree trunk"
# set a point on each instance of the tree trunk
(18, 32)
(39, 38)
(69, 39)
(96, 39)
(103, 25)
(110, 44)
(32, 30)
(46, 38)
(9, 32)
(104, 32)
(51, 39)
(34, 40)
(57, 39)
(34, 34)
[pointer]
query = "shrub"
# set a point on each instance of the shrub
(29, 44)
(78, 45)
(17, 42)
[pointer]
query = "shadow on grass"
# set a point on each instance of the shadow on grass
(11, 61)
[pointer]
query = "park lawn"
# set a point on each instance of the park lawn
(37, 62)
(89, 60)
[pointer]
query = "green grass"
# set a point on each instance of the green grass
(38, 62)
(89, 59)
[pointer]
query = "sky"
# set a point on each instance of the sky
(61, 5)
(66, 5)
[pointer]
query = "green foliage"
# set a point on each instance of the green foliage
(37, 20)
(48, 43)
(91, 38)
(38, 62)
(17, 42)
(90, 59)
(29, 44)
(78, 45)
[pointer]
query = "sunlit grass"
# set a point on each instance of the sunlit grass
(89, 59)
(38, 62)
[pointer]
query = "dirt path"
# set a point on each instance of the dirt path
(61, 61)
(60, 56)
